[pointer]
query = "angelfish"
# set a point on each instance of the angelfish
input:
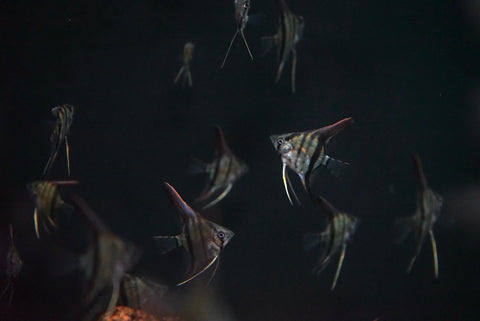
(203, 240)
(48, 203)
(429, 205)
(106, 260)
(241, 18)
(64, 115)
(184, 73)
(304, 152)
(14, 266)
(334, 238)
(223, 171)
(290, 30)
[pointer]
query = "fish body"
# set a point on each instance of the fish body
(340, 228)
(64, 118)
(304, 152)
(241, 18)
(290, 31)
(48, 203)
(184, 73)
(202, 239)
(429, 205)
(14, 266)
(223, 172)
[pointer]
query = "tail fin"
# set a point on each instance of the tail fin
(267, 44)
(196, 166)
(335, 166)
(311, 240)
(167, 243)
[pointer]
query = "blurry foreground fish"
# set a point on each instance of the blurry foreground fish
(429, 204)
(184, 72)
(225, 169)
(202, 239)
(290, 30)
(14, 266)
(241, 18)
(106, 261)
(139, 292)
(338, 232)
(304, 152)
(64, 115)
(48, 203)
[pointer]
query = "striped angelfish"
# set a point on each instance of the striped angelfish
(290, 30)
(429, 205)
(48, 203)
(184, 73)
(64, 116)
(334, 238)
(241, 18)
(304, 152)
(223, 172)
(203, 240)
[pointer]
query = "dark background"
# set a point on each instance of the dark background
(407, 72)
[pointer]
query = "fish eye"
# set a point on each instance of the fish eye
(280, 141)
(221, 235)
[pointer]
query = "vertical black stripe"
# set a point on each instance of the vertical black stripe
(299, 151)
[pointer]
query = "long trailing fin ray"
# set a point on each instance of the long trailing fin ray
(219, 197)
(326, 206)
(279, 71)
(228, 50)
(198, 273)
(292, 189)
(246, 44)
(339, 266)
(284, 176)
(179, 74)
(434, 252)
(217, 263)
(412, 261)
(35, 222)
(67, 152)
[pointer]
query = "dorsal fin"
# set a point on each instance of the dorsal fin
(185, 211)
(220, 143)
(334, 129)
(326, 206)
(421, 179)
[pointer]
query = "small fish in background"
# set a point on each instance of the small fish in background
(14, 266)
(429, 205)
(304, 152)
(64, 115)
(241, 18)
(105, 262)
(290, 30)
(184, 73)
(203, 240)
(48, 203)
(223, 172)
(338, 232)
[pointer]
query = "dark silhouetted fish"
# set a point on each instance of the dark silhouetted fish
(429, 204)
(64, 115)
(106, 261)
(48, 203)
(290, 30)
(304, 152)
(203, 240)
(225, 169)
(338, 232)
(14, 266)
(241, 18)
(184, 73)
(139, 292)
